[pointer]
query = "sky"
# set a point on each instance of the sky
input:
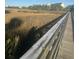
(34, 2)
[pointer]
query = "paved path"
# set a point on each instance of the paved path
(67, 47)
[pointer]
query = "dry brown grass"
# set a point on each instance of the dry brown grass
(31, 19)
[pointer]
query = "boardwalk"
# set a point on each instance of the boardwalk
(67, 47)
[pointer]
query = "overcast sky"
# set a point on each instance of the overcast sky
(32, 2)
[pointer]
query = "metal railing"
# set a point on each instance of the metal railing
(47, 46)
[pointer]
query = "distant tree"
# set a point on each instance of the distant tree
(69, 7)
(55, 7)
(24, 7)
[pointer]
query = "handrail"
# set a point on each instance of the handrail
(38, 47)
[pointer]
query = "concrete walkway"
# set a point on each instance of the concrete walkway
(67, 46)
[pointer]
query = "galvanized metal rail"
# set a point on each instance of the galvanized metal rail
(47, 46)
